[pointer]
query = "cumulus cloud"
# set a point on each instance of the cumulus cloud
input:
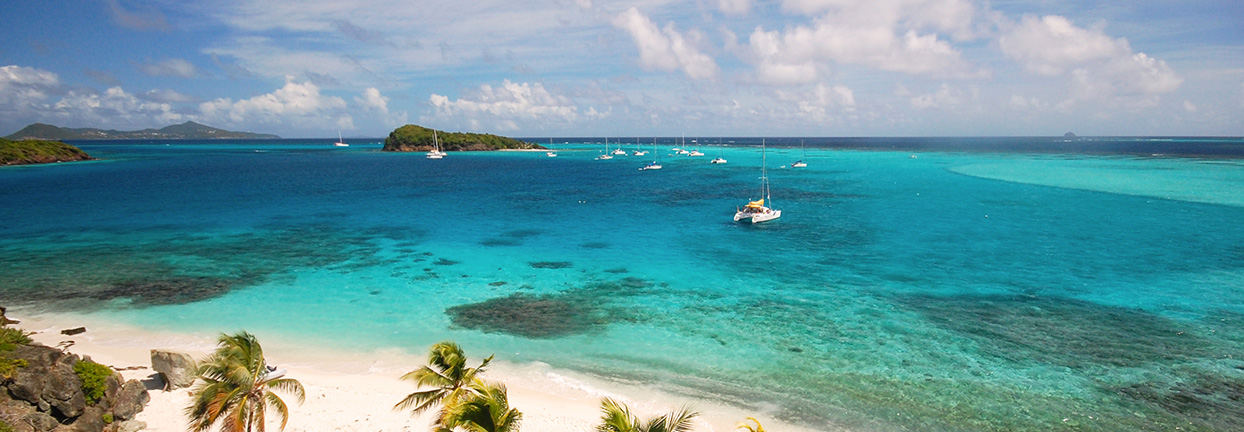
(22, 86)
(114, 107)
(503, 106)
(173, 67)
(295, 104)
(373, 102)
(892, 35)
(820, 103)
(665, 49)
(945, 97)
(1100, 67)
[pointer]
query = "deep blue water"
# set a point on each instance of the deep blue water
(988, 284)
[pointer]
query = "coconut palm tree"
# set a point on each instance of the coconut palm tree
(618, 418)
(748, 426)
(448, 377)
(236, 388)
(488, 411)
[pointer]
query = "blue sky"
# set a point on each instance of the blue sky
(592, 67)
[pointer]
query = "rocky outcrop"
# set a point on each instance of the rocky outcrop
(48, 395)
(178, 370)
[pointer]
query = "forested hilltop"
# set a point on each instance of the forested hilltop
(413, 138)
(187, 130)
(36, 152)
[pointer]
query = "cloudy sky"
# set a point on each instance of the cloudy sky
(641, 68)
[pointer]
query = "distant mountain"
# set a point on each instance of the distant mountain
(187, 130)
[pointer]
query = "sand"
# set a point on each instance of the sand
(357, 391)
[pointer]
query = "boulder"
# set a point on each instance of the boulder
(73, 331)
(128, 426)
(177, 369)
(64, 391)
(39, 422)
(5, 320)
(91, 420)
(131, 400)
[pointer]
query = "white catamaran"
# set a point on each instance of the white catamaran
(756, 211)
(436, 152)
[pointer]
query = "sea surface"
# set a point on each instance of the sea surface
(982, 284)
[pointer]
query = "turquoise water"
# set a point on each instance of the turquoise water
(953, 291)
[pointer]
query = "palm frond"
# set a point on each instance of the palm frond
(276, 403)
(676, 421)
(748, 426)
(616, 417)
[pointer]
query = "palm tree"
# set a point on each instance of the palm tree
(488, 411)
(236, 388)
(618, 418)
(748, 426)
(450, 380)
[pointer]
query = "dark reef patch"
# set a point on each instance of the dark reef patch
(618, 270)
(1062, 331)
(1210, 401)
(594, 245)
(551, 264)
(444, 262)
(497, 283)
(531, 316)
(153, 292)
(504, 241)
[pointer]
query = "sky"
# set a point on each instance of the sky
(642, 68)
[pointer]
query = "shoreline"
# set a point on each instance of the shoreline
(357, 390)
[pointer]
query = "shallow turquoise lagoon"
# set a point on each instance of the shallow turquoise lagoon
(953, 291)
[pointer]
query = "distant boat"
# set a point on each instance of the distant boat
(656, 164)
(800, 163)
(340, 142)
(436, 152)
(638, 151)
(550, 153)
(619, 151)
(605, 155)
(719, 159)
(756, 211)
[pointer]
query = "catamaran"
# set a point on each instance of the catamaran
(719, 159)
(756, 211)
(436, 152)
(800, 163)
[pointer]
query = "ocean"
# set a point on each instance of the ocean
(975, 284)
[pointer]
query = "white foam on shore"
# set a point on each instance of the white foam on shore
(349, 391)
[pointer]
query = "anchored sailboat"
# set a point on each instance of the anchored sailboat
(756, 211)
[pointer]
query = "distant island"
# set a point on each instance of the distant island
(187, 130)
(28, 152)
(413, 138)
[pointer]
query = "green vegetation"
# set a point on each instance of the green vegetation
(419, 138)
(94, 379)
(618, 418)
(5, 426)
(488, 411)
(236, 391)
(33, 152)
(451, 384)
(108, 418)
(10, 338)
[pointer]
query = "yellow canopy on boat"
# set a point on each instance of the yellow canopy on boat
(757, 204)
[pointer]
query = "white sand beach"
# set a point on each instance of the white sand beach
(357, 391)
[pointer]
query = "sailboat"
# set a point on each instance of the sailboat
(756, 211)
(606, 155)
(436, 152)
(638, 151)
(719, 159)
(800, 163)
(656, 164)
(340, 142)
(550, 153)
(619, 151)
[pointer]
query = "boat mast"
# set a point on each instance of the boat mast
(764, 178)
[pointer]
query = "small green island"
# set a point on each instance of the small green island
(414, 138)
(38, 152)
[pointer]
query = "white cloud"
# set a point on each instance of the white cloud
(372, 101)
(945, 97)
(734, 7)
(173, 67)
(167, 96)
(665, 49)
(148, 19)
(892, 35)
(820, 103)
(295, 104)
(503, 106)
(114, 108)
(22, 86)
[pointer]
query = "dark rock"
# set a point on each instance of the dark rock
(112, 385)
(130, 400)
(177, 369)
(5, 320)
(91, 420)
(73, 331)
(64, 391)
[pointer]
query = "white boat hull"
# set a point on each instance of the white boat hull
(757, 216)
